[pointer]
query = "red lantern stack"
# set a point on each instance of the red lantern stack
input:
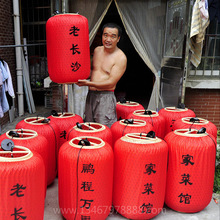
(124, 109)
(65, 121)
(31, 140)
(85, 178)
(196, 123)
(50, 131)
(171, 114)
(22, 184)
(140, 166)
(152, 117)
(91, 129)
(68, 52)
(122, 127)
(191, 169)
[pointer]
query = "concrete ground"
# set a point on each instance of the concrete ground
(51, 212)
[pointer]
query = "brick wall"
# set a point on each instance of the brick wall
(7, 38)
(205, 103)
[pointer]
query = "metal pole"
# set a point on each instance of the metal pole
(18, 57)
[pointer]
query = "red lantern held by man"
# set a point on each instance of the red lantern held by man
(68, 53)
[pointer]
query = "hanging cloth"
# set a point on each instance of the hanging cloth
(200, 21)
(8, 83)
(5, 86)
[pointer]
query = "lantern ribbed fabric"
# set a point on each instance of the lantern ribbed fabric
(65, 121)
(191, 169)
(120, 128)
(51, 132)
(68, 53)
(85, 179)
(171, 114)
(156, 120)
(140, 166)
(31, 140)
(124, 109)
(91, 129)
(186, 123)
(22, 184)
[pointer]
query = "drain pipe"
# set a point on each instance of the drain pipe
(18, 57)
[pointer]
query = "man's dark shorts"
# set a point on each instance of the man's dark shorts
(101, 107)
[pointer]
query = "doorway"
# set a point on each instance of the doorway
(137, 82)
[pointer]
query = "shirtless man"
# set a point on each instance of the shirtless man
(108, 66)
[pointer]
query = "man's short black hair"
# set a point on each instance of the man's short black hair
(113, 25)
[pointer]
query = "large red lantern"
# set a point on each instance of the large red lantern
(31, 140)
(65, 121)
(152, 117)
(123, 109)
(140, 166)
(85, 178)
(50, 131)
(191, 169)
(171, 114)
(195, 123)
(91, 129)
(123, 127)
(68, 54)
(22, 184)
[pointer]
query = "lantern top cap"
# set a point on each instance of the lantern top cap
(143, 113)
(128, 103)
(95, 143)
(21, 134)
(135, 122)
(14, 156)
(90, 127)
(190, 133)
(140, 138)
(174, 109)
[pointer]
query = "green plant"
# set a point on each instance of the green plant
(216, 188)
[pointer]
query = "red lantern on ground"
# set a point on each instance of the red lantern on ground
(140, 166)
(22, 184)
(68, 53)
(152, 117)
(191, 169)
(123, 109)
(91, 129)
(123, 127)
(171, 114)
(195, 123)
(31, 140)
(85, 178)
(65, 121)
(50, 131)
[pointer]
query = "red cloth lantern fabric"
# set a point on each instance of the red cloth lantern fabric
(124, 109)
(31, 140)
(85, 178)
(22, 184)
(50, 131)
(140, 166)
(123, 127)
(65, 121)
(191, 169)
(171, 114)
(68, 53)
(195, 123)
(157, 121)
(91, 129)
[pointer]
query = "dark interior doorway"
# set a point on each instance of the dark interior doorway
(137, 82)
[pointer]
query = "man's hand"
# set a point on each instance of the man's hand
(82, 82)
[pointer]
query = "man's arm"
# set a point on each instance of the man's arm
(117, 72)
